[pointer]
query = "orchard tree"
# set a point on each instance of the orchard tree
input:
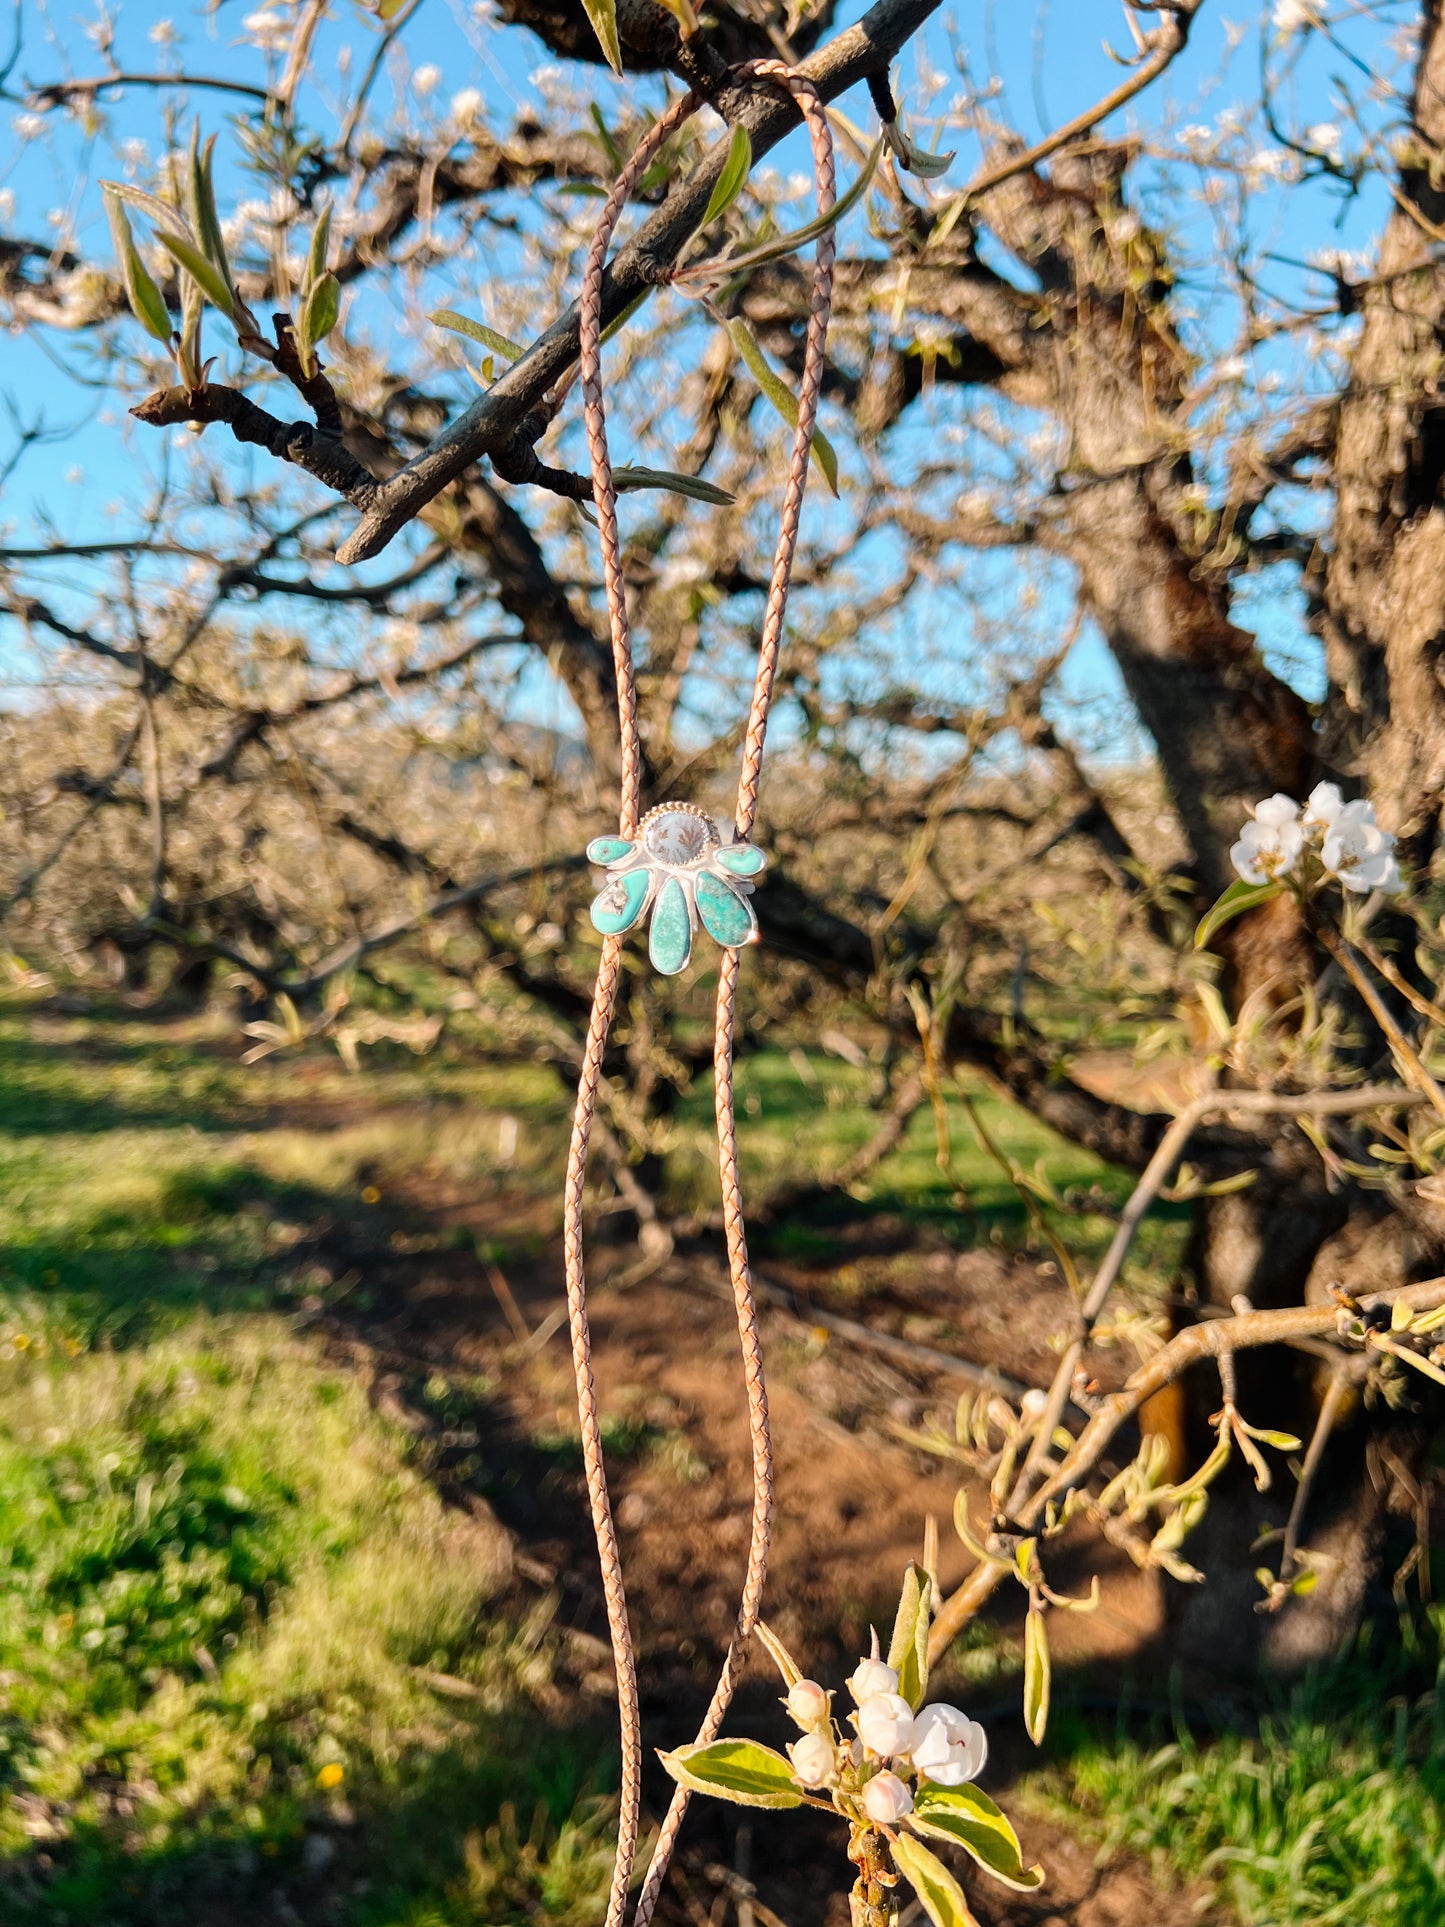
(338, 678)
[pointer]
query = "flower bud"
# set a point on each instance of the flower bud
(886, 1799)
(813, 1759)
(807, 1702)
(872, 1678)
(885, 1723)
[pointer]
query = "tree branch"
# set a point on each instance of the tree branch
(493, 419)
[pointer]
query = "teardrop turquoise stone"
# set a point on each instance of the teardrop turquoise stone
(618, 905)
(671, 938)
(725, 917)
(742, 859)
(608, 849)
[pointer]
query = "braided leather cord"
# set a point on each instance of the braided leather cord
(725, 1016)
(604, 493)
(604, 998)
(589, 311)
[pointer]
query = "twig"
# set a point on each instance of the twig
(1217, 1104)
(511, 1310)
(53, 92)
(1404, 1050)
(1169, 40)
(321, 455)
(926, 1357)
(1242, 1332)
(1393, 976)
(1171, 1148)
(1324, 1424)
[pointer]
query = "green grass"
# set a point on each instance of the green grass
(223, 1581)
(143, 1175)
(802, 1115)
(221, 1590)
(223, 1577)
(1331, 1815)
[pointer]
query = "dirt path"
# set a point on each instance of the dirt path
(853, 1498)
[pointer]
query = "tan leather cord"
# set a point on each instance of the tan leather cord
(605, 498)
(604, 494)
(725, 1015)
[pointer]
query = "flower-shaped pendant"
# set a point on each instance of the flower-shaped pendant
(680, 866)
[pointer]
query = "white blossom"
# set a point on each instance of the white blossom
(807, 1702)
(886, 1799)
(28, 126)
(1291, 15)
(271, 32)
(813, 1759)
(1359, 852)
(7, 203)
(947, 1747)
(885, 1723)
(1325, 136)
(163, 34)
(466, 106)
(872, 1677)
(425, 80)
(1322, 806)
(1269, 847)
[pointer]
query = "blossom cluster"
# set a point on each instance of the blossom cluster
(1345, 838)
(894, 1745)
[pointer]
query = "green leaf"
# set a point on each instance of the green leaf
(1281, 1441)
(735, 173)
(971, 1820)
(1238, 898)
(169, 219)
(609, 145)
(316, 254)
(689, 485)
(321, 310)
(791, 1671)
(201, 270)
(940, 1894)
(738, 1770)
(799, 237)
(619, 322)
(145, 298)
(461, 324)
(1037, 1677)
(908, 1648)
(201, 196)
(782, 398)
(603, 15)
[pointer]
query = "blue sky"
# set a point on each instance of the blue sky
(1050, 60)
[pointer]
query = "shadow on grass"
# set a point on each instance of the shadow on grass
(381, 1855)
(218, 1237)
(68, 1088)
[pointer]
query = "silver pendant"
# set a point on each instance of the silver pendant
(678, 866)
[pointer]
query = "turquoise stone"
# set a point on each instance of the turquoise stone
(618, 905)
(725, 917)
(671, 937)
(608, 849)
(742, 859)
